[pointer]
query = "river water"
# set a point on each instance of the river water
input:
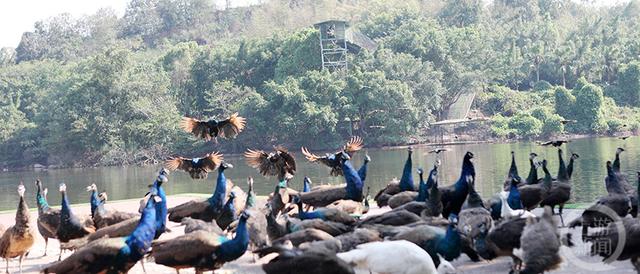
(491, 161)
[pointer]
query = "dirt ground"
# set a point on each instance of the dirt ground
(575, 260)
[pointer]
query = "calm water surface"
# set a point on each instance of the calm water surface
(491, 161)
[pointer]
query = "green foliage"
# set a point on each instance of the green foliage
(542, 85)
(526, 125)
(585, 105)
(629, 84)
(588, 109)
(564, 103)
(500, 126)
(551, 122)
(461, 13)
(302, 51)
(507, 102)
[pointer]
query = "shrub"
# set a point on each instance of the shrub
(525, 125)
(542, 85)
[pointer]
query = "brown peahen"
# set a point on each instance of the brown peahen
(17, 240)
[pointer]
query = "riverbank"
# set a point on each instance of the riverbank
(247, 264)
(449, 140)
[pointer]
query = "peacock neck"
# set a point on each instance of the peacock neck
(406, 181)
(467, 170)
(514, 197)
(139, 241)
(42, 202)
(217, 199)
(570, 168)
(432, 180)
(22, 214)
(616, 163)
(513, 169)
(354, 183)
(547, 178)
(614, 184)
(422, 189)
(229, 206)
(160, 209)
(562, 168)
(306, 187)
(251, 200)
(236, 247)
(533, 173)
(362, 172)
(95, 202)
(434, 194)
(65, 211)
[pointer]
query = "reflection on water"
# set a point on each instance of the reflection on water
(491, 160)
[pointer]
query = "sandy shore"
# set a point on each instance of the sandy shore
(246, 264)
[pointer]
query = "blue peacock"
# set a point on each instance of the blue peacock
(114, 255)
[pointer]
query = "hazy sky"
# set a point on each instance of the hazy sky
(18, 16)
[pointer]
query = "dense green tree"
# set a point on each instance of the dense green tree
(588, 109)
(142, 17)
(629, 84)
(526, 125)
(565, 103)
(103, 89)
(461, 13)
(301, 52)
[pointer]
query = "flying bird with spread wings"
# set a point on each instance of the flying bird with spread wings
(198, 168)
(279, 162)
(334, 160)
(211, 129)
(555, 143)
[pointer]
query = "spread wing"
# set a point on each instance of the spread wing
(354, 144)
(336, 169)
(212, 161)
(279, 163)
(231, 127)
(315, 158)
(259, 160)
(196, 127)
(178, 163)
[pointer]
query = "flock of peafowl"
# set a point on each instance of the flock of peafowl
(326, 229)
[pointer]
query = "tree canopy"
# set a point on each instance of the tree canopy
(109, 90)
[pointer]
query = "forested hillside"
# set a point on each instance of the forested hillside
(105, 90)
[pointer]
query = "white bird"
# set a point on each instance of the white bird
(508, 212)
(399, 257)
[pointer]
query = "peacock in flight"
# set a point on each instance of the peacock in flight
(278, 163)
(198, 168)
(334, 160)
(340, 164)
(211, 129)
